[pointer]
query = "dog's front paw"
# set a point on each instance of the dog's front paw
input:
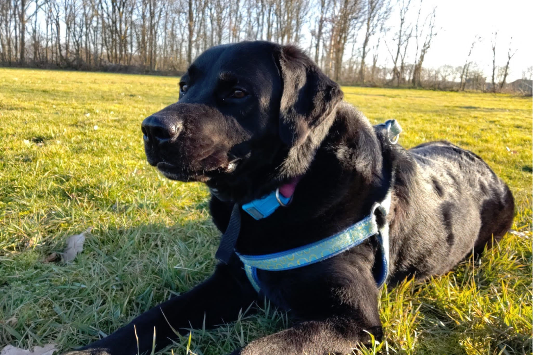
(88, 352)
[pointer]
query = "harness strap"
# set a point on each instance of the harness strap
(373, 224)
(382, 236)
(229, 238)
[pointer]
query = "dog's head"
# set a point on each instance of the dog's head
(253, 110)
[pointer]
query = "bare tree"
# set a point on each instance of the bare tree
(447, 76)
(346, 17)
(528, 73)
(375, 61)
(6, 31)
(190, 17)
(493, 45)
(402, 37)
(322, 10)
(510, 54)
(466, 66)
(22, 31)
(376, 13)
(427, 28)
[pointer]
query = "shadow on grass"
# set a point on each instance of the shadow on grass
(483, 109)
(121, 273)
(527, 169)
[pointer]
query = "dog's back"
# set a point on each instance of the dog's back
(472, 179)
(464, 207)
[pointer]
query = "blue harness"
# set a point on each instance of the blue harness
(320, 250)
(323, 249)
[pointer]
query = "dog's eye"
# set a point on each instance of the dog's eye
(238, 94)
(183, 87)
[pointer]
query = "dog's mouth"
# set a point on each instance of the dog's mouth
(174, 172)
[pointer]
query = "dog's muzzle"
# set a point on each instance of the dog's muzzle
(158, 130)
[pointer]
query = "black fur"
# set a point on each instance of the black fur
(446, 201)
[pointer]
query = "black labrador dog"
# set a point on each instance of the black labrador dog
(255, 118)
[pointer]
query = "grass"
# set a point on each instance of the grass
(71, 157)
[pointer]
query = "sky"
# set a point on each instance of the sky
(459, 21)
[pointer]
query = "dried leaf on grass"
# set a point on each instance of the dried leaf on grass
(48, 349)
(52, 258)
(511, 151)
(525, 234)
(12, 321)
(74, 246)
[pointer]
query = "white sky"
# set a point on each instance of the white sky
(459, 21)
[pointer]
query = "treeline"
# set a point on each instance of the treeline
(149, 34)
(345, 37)
(167, 35)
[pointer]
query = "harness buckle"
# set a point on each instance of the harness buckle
(393, 131)
(281, 202)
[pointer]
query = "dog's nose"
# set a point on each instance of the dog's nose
(160, 129)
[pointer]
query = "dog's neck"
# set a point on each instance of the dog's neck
(338, 189)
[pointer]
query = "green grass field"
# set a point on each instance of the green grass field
(71, 157)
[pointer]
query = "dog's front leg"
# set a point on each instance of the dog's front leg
(338, 312)
(217, 300)
(330, 336)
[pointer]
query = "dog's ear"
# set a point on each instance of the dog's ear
(308, 98)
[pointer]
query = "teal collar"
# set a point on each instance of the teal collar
(266, 205)
(327, 248)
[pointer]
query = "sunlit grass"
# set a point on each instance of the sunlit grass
(71, 157)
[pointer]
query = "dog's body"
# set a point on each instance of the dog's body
(247, 129)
